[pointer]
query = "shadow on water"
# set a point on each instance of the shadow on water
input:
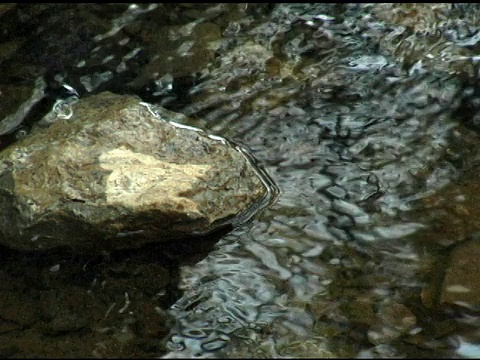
(93, 301)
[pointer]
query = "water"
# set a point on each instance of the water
(352, 142)
(359, 113)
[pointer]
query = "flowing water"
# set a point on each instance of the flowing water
(359, 113)
(353, 140)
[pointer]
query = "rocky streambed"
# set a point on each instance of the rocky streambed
(365, 115)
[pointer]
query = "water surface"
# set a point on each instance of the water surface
(364, 115)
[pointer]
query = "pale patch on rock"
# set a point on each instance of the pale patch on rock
(138, 180)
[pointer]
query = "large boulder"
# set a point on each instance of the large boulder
(109, 172)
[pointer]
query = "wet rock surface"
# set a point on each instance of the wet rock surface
(366, 115)
(110, 172)
(17, 102)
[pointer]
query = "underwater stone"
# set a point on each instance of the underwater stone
(110, 172)
(460, 284)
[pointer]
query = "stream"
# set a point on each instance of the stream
(366, 117)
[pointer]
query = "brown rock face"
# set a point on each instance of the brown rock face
(110, 172)
(460, 285)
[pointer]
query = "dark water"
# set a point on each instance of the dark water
(358, 112)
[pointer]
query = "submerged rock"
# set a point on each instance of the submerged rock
(112, 172)
(16, 101)
(460, 284)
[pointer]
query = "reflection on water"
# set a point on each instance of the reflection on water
(358, 113)
(352, 139)
(232, 295)
(468, 350)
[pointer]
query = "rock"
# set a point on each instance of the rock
(16, 310)
(111, 172)
(450, 214)
(394, 321)
(16, 101)
(179, 51)
(454, 281)
(397, 316)
(460, 284)
(6, 7)
(63, 36)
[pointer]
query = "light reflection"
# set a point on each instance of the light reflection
(467, 349)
